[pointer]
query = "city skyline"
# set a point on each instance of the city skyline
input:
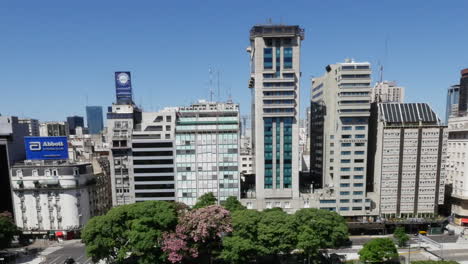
(77, 57)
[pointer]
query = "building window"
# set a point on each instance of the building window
(359, 136)
(345, 152)
(268, 58)
(344, 184)
(347, 128)
(360, 128)
(344, 193)
(287, 58)
(347, 144)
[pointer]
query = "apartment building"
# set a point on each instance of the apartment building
(407, 155)
(207, 151)
(340, 111)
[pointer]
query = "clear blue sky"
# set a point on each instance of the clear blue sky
(54, 53)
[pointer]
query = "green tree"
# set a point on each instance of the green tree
(205, 200)
(401, 236)
(318, 229)
(276, 233)
(131, 231)
(7, 230)
(243, 246)
(232, 204)
(378, 250)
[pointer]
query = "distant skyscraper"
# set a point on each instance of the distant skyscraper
(74, 122)
(453, 94)
(340, 110)
(274, 80)
(387, 92)
(463, 99)
(94, 119)
(33, 125)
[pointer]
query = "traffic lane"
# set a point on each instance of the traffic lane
(75, 251)
(453, 254)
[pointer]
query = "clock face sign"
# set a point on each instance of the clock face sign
(123, 78)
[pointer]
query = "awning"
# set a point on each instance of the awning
(58, 233)
(464, 220)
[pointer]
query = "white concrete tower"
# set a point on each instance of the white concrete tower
(274, 80)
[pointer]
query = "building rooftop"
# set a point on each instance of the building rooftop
(276, 31)
(49, 163)
(401, 113)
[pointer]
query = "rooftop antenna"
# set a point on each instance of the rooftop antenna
(210, 71)
(229, 94)
(219, 92)
(381, 72)
(86, 96)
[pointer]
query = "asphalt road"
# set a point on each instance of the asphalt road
(76, 250)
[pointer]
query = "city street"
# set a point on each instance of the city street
(75, 250)
(58, 253)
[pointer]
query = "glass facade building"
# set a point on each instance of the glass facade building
(94, 119)
(453, 94)
(207, 151)
(74, 122)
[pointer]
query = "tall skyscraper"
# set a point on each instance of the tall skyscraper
(274, 82)
(453, 94)
(207, 151)
(340, 110)
(73, 123)
(94, 119)
(387, 92)
(463, 99)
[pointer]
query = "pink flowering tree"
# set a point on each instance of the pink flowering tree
(198, 234)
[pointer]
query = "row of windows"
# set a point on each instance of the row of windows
(348, 193)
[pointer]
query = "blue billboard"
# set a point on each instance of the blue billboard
(123, 87)
(46, 148)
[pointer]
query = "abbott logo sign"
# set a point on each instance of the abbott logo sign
(46, 148)
(35, 146)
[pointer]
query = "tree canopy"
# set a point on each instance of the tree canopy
(317, 229)
(401, 236)
(232, 204)
(7, 230)
(378, 250)
(243, 244)
(130, 231)
(205, 200)
(198, 232)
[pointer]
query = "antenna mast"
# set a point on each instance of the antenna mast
(210, 71)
